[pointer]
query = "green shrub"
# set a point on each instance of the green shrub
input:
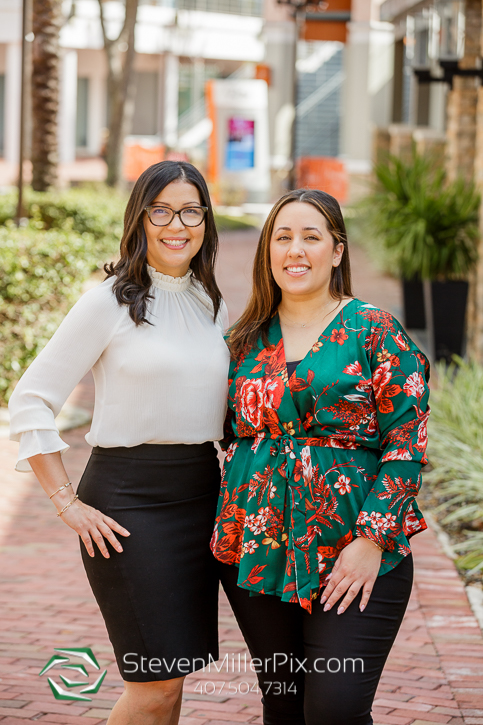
(229, 223)
(44, 265)
(455, 452)
(96, 210)
(41, 276)
(428, 225)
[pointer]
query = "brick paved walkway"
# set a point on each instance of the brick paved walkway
(434, 673)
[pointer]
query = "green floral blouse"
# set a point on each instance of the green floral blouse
(333, 453)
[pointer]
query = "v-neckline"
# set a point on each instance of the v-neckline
(324, 331)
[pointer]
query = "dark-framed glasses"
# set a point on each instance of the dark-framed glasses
(190, 216)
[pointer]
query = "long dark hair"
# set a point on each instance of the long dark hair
(133, 281)
(266, 294)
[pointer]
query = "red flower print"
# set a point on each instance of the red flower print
(273, 358)
(256, 442)
(339, 336)
(414, 385)
(249, 547)
(273, 393)
(260, 483)
(411, 522)
(383, 355)
(343, 484)
(249, 521)
(251, 402)
(382, 390)
(423, 433)
(231, 450)
(375, 519)
(398, 491)
(364, 385)
(306, 464)
(297, 471)
(388, 521)
(320, 561)
(401, 454)
(363, 518)
(400, 341)
(354, 368)
(381, 377)
(372, 424)
(253, 577)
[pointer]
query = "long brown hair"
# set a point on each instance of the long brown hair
(133, 281)
(266, 294)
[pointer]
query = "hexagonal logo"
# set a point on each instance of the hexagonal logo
(62, 659)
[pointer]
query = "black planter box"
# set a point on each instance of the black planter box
(413, 304)
(446, 312)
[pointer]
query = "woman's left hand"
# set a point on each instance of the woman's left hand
(356, 568)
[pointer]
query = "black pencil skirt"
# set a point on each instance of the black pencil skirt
(159, 597)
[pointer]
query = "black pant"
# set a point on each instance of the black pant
(324, 668)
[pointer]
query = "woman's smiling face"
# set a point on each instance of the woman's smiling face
(171, 248)
(302, 250)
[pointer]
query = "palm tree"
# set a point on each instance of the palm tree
(46, 23)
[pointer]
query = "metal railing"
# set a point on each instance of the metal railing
(232, 7)
(320, 94)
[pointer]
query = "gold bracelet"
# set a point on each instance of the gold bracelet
(67, 506)
(69, 483)
(375, 544)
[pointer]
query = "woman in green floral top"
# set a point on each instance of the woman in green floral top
(326, 436)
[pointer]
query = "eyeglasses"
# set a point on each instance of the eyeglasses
(190, 216)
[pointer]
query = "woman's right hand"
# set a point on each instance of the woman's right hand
(93, 527)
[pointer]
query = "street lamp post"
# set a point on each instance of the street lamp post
(21, 150)
(299, 10)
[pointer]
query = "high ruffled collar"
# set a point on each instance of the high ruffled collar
(171, 284)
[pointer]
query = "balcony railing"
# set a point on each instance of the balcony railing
(233, 7)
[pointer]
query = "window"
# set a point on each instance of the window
(81, 132)
(145, 121)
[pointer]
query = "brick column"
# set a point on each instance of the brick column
(380, 144)
(401, 140)
(473, 51)
(462, 101)
(431, 143)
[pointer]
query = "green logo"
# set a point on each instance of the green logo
(62, 659)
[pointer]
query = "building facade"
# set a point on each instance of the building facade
(342, 59)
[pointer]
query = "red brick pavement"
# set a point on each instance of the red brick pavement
(434, 673)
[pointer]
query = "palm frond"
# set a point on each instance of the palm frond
(429, 226)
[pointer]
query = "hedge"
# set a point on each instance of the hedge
(41, 277)
(96, 210)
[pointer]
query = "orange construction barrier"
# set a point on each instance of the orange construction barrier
(138, 158)
(324, 173)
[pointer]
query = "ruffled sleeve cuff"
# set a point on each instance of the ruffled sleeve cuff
(33, 442)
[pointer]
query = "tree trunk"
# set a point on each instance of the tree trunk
(120, 87)
(47, 15)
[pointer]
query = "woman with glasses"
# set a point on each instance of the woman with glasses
(152, 333)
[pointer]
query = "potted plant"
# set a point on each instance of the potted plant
(429, 226)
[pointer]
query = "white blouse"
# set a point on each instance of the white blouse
(164, 382)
